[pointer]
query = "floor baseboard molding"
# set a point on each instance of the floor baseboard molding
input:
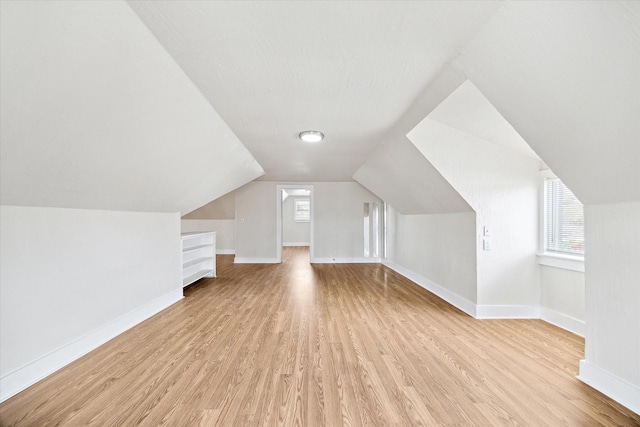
(563, 321)
(507, 312)
(619, 390)
(247, 260)
(225, 252)
(22, 378)
(444, 293)
(295, 244)
(362, 260)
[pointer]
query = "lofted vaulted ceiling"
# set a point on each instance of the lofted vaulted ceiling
(349, 69)
(167, 105)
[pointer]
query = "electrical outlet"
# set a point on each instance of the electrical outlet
(485, 245)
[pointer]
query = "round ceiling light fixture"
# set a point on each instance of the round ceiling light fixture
(311, 136)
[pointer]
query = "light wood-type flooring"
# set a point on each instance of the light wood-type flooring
(320, 345)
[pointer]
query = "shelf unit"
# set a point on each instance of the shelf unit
(198, 256)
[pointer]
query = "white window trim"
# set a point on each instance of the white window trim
(295, 202)
(553, 259)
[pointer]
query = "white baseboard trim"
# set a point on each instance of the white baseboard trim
(507, 312)
(619, 390)
(345, 260)
(295, 244)
(444, 293)
(225, 251)
(245, 260)
(18, 380)
(563, 321)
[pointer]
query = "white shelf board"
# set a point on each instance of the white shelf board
(193, 234)
(199, 275)
(196, 261)
(195, 248)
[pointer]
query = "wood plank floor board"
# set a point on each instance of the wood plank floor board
(320, 345)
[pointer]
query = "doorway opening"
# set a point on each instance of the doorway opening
(294, 217)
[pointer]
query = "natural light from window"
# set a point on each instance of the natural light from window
(301, 211)
(563, 220)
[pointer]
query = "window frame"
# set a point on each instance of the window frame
(296, 201)
(574, 262)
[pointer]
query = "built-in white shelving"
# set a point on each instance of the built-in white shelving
(198, 256)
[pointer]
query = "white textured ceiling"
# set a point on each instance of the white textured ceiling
(96, 115)
(349, 69)
(152, 105)
(564, 74)
(467, 110)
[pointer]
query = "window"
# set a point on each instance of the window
(563, 220)
(301, 210)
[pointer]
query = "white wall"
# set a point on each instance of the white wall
(612, 338)
(293, 233)
(439, 248)
(221, 208)
(72, 279)
(219, 216)
(256, 226)
(566, 79)
(562, 298)
(399, 174)
(501, 185)
(338, 221)
(225, 232)
(337, 212)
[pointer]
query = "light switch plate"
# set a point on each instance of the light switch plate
(485, 231)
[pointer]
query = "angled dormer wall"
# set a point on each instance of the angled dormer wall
(430, 227)
(97, 115)
(497, 174)
(104, 142)
(566, 78)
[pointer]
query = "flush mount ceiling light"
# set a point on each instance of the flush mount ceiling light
(311, 136)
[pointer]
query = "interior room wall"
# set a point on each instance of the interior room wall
(584, 127)
(501, 185)
(437, 251)
(562, 298)
(223, 207)
(293, 233)
(219, 216)
(338, 215)
(73, 279)
(256, 226)
(612, 340)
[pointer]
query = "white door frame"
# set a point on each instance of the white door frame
(279, 189)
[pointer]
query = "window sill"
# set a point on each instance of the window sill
(567, 262)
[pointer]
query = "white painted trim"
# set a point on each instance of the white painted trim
(362, 260)
(507, 312)
(295, 244)
(18, 380)
(619, 390)
(225, 252)
(492, 311)
(566, 262)
(246, 260)
(563, 321)
(444, 293)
